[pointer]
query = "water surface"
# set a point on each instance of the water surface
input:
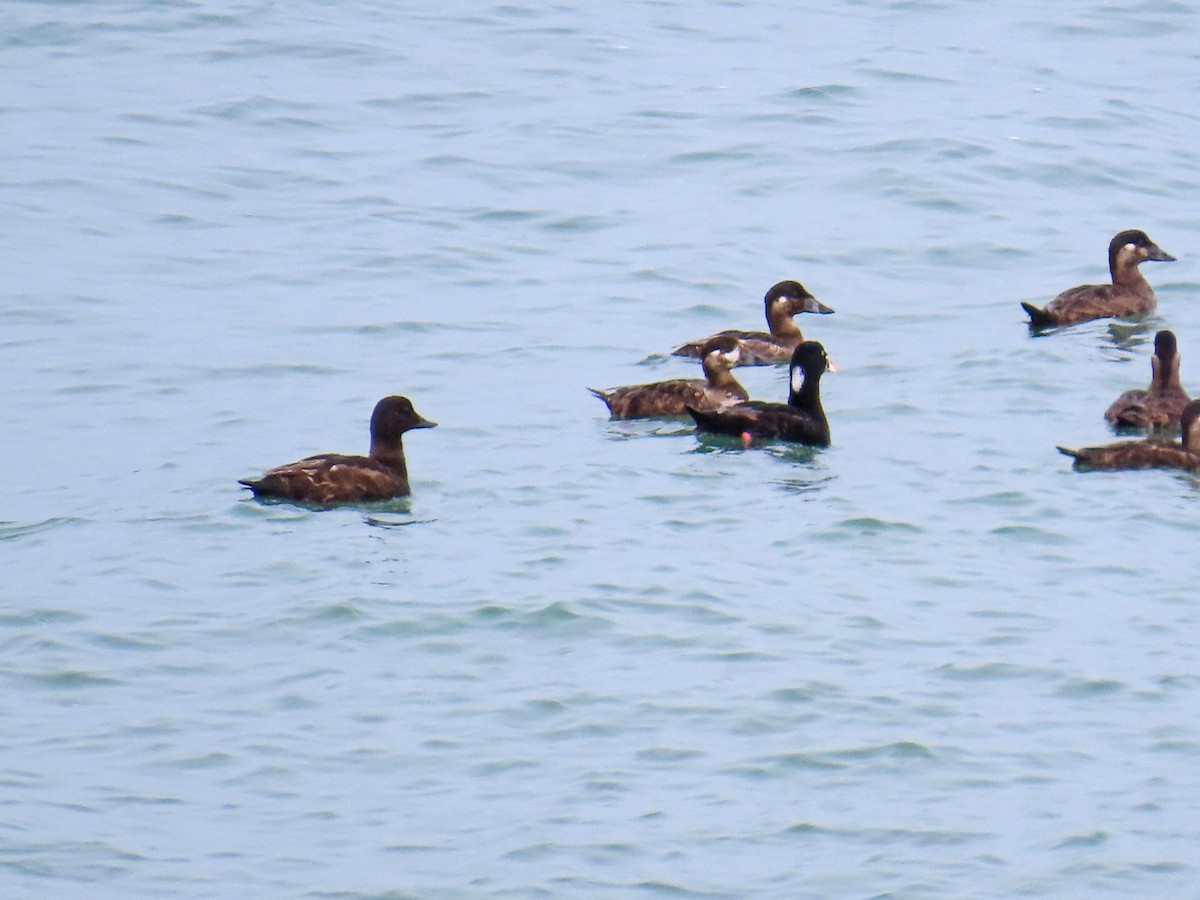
(589, 658)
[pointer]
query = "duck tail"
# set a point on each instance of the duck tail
(1067, 451)
(1037, 317)
(704, 421)
(603, 395)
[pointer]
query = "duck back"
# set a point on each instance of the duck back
(331, 478)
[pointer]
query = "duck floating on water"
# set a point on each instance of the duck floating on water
(672, 398)
(781, 303)
(801, 420)
(1160, 405)
(1128, 295)
(1149, 453)
(330, 478)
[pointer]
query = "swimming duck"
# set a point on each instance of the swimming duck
(330, 478)
(672, 398)
(1160, 405)
(801, 419)
(784, 300)
(1147, 454)
(1129, 294)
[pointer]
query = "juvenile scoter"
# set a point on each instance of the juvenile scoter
(1147, 454)
(1160, 405)
(330, 478)
(1128, 295)
(672, 398)
(781, 303)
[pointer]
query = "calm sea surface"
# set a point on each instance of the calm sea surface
(589, 658)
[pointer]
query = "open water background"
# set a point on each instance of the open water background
(589, 658)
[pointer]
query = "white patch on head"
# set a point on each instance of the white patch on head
(732, 356)
(797, 379)
(1129, 248)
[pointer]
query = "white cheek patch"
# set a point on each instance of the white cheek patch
(797, 379)
(1129, 248)
(733, 356)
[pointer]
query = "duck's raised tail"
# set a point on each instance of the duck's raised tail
(708, 421)
(1067, 451)
(1039, 318)
(603, 395)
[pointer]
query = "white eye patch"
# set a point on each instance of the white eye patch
(1130, 247)
(797, 379)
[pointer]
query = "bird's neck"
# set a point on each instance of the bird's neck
(782, 323)
(392, 456)
(805, 391)
(1165, 374)
(1125, 272)
(718, 374)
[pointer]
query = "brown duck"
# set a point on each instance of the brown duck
(1128, 295)
(672, 398)
(1147, 454)
(1160, 405)
(781, 303)
(330, 478)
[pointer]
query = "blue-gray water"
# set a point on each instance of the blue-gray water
(589, 658)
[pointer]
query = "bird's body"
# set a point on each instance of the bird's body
(718, 388)
(1147, 454)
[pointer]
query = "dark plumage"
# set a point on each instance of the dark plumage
(1147, 454)
(1160, 405)
(672, 398)
(1129, 294)
(801, 419)
(330, 478)
(784, 300)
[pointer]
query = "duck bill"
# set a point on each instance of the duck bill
(831, 366)
(424, 423)
(1158, 254)
(813, 305)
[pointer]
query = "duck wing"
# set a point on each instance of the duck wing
(330, 478)
(661, 398)
(696, 348)
(766, 421)
(1097, 301)
(1147, 409)
(1128, 410)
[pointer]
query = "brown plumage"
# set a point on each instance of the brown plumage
(801, 420)
(1128, 295)
(672, 398)
(1147, 454)
(330, 478)
(759, 348)
(1160, 405)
